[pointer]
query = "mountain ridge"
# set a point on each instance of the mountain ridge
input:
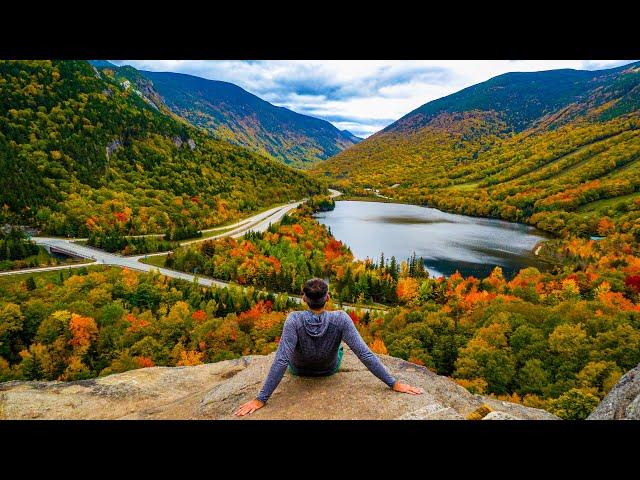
(233, 114)
(556, 87)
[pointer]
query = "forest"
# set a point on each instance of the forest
(71, 325)
(81, 152)
(556, 340)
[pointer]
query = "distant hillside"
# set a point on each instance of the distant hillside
(82, 150)
(235, 115)
(559, 142)
(524, 100)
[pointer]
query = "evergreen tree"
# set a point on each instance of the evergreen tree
(412, 264)
(393, 268)
(420, 271)
(31, 283)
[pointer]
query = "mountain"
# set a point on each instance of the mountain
(100, 64)
(215, 390)
(350, 135)
(522, 100)
(562, 142)
(235, 115)
(82, 149)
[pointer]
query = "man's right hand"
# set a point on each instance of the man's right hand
(249, 407)
(404, 388)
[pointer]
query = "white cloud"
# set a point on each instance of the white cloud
(362, 96)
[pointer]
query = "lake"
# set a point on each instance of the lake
(447, 242)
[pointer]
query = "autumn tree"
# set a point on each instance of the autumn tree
(575, 404)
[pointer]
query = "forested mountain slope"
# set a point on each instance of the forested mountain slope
(81, 150)
(233, 114)
(558, 149)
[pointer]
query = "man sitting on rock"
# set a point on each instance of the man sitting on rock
(310, 346)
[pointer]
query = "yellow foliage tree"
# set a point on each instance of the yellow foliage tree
(379, 347)
(407, 289)
(189, 358)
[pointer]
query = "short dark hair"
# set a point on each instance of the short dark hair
(316, 291)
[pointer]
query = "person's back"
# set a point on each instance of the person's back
(318, 340)
(310, 345)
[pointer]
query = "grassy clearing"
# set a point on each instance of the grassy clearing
(608, 202)
(156, 260)
(463, 186)
(210, 234)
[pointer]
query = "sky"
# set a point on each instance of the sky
(362, 96)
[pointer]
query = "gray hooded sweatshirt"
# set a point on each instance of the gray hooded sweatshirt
(310, 342)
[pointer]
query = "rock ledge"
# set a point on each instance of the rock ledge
(214, 391)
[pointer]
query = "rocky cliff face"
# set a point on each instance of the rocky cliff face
(214, 391)
(623, 401)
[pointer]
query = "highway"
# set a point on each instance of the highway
(259, 223)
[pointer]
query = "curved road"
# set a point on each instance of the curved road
(258, 223)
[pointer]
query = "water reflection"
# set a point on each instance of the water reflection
(447, 242)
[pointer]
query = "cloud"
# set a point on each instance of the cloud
(362, 96)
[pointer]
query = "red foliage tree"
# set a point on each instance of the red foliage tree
(354, 317)
(633, 282)
(144, 362)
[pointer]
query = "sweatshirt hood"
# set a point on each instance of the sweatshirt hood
(315, 324)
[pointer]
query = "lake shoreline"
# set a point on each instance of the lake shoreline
(446, 241)
(535, 250)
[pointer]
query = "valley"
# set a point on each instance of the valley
(491, 236)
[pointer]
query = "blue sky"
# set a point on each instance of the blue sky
(362, 96)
